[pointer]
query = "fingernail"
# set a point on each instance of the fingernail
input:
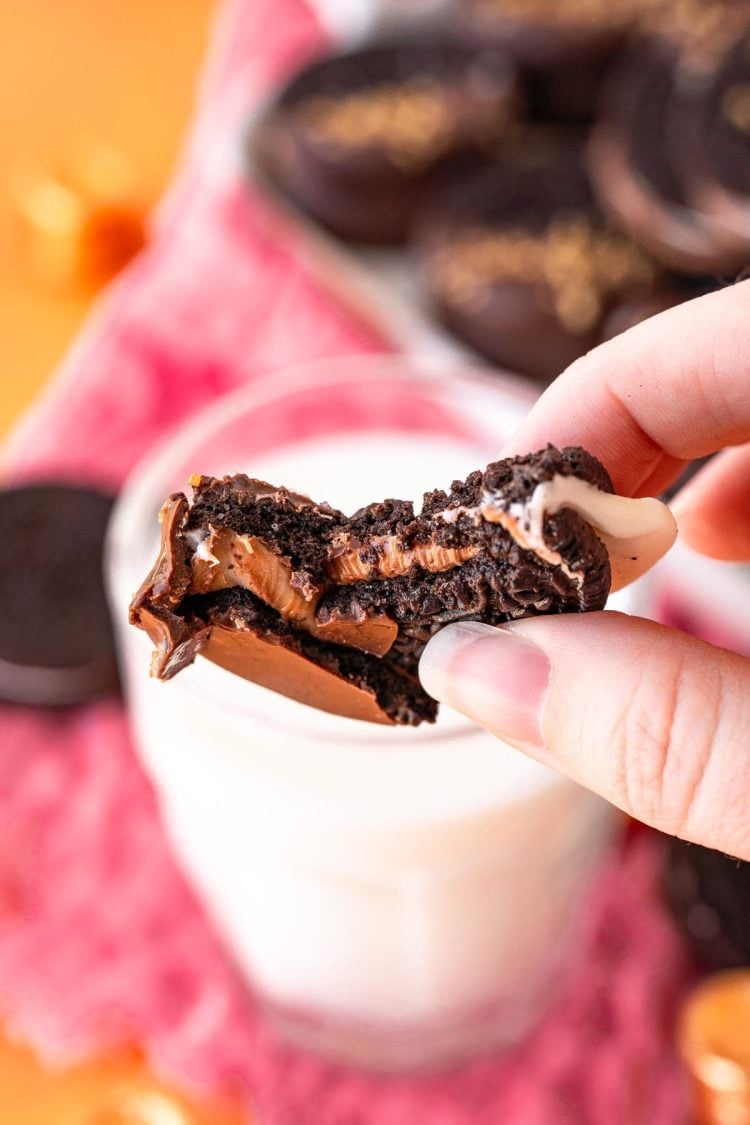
(494, 675)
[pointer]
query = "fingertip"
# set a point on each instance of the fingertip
(441, 659)
(495, 676)
(714, 538)
(711, 510)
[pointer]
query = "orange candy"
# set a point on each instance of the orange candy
(81, 221)
(714, 1039)
(116, 1090)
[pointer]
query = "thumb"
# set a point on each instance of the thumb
(655, 721)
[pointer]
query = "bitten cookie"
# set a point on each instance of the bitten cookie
(334, 611)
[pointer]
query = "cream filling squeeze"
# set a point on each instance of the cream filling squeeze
(636, 533)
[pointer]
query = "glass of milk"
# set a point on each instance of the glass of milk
(397, 898)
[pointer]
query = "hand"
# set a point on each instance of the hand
(655, 721)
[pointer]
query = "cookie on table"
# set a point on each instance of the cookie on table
(521, 264)
(720, 176)
(356, 138)
(334, 611)
(652, 134)
(562, 47)
(56, 642)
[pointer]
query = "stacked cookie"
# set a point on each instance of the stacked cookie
(670, 149)
(537, 238)
(335, 610)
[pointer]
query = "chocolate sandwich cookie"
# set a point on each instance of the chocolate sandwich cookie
(355, 138)
(709, 896)
(646, 141)
(720, 175)
(334, 611)
(562, 49)
(56, 641)
(522, 265)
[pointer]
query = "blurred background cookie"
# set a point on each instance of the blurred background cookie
(56, 641)
(647, 141)
(356, 138)
(561, 48)
(709, 896)
(720, 181)
(522, 265)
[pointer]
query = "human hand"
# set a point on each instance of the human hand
(655, 721)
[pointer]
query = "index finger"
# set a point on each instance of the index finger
(671, 389)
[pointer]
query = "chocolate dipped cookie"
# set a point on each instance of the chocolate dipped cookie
(562, 49)
(334, 611)
(720, 178)
(355, 139)
(522, 265)
(661, 140)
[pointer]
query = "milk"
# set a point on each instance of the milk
(397, 897)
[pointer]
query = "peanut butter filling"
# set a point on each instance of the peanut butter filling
(356, 565)
(513, 525)
(223, 560)
(226, 559)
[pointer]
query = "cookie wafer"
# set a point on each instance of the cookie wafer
(334, 611)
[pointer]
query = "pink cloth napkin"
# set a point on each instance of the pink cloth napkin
(100, 938)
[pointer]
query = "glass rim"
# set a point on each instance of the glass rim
(283, 382)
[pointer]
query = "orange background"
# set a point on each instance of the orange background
(111, 1091)
(121, 71)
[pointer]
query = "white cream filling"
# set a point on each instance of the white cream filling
(199, 542)
(636, 533)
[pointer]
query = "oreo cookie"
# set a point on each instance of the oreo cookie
(56, 639)
(334, 611)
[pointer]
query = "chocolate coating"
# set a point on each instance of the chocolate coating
(654, 128)
(56, 641)
(522, 266)
(355, 140)
(343, 619)
(561, 49)
(720, 175)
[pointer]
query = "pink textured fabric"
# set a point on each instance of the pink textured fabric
(100, 939)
